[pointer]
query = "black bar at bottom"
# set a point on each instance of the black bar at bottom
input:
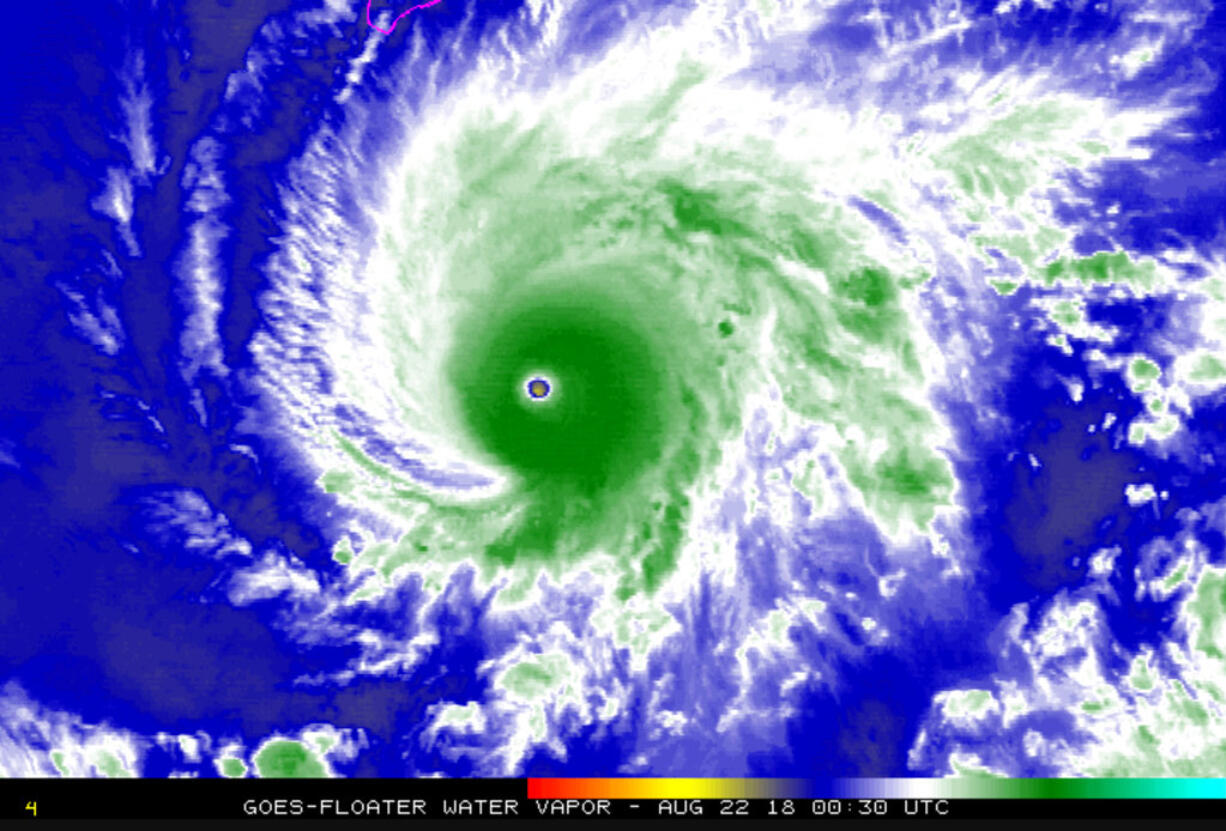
(506, 799)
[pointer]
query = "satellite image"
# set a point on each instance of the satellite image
(716, 388)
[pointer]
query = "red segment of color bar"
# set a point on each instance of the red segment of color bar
(562, 789)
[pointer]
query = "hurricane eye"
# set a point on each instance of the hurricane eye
(539, 389)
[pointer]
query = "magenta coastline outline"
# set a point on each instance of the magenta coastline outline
(425, 5)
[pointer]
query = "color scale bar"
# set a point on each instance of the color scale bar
(950, 788)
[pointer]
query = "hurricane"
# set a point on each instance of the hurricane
(718, 388)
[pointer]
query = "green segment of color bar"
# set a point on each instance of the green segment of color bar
(899, 788)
